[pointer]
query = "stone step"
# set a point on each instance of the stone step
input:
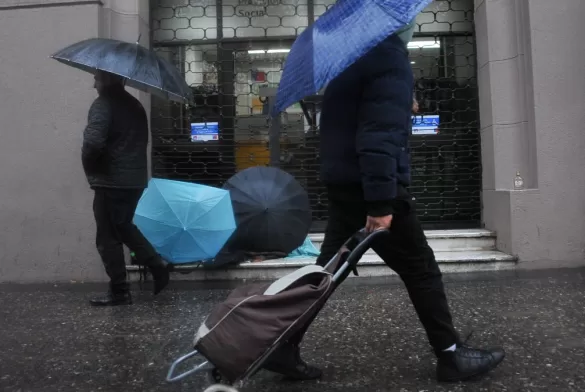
(370, 265)
(456, 251)
(446, 240)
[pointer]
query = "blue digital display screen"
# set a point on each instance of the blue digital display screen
(204, 132)
(425, 125)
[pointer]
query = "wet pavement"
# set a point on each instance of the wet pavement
(366, 339)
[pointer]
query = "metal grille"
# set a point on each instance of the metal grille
(232, 53)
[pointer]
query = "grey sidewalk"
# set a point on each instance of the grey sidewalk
(367, 338)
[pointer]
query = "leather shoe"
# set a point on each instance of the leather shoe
(466, 362)
(112, 299)
(161, 276)
(287, 361)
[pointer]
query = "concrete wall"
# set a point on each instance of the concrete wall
(46, 221)
(532, 100)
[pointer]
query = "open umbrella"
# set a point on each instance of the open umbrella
(185, 222)
(142, 68)
(342, 35)
(272, 210)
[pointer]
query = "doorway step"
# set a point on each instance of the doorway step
(469, 250)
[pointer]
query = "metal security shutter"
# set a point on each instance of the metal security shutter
(446, 167)
(233, 50)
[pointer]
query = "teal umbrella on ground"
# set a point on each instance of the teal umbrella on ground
(185, 222)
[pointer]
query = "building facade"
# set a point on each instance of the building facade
(500, 87)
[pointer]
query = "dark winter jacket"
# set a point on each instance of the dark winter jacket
(115, 141)
(365, 124)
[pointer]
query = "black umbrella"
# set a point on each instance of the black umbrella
(272, 210)
(143, 69)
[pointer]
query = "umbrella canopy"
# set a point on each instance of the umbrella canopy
(185, 222)
(342, 35)
(272, 210)
(143, 69)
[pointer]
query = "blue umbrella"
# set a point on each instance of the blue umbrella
(342, 35)
(185, 222)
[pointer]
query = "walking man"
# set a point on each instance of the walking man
(114, 157)
(365, 127)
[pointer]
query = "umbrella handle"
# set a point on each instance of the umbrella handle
(305, 110)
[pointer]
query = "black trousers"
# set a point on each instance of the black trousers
(114, 211)
(405, 250)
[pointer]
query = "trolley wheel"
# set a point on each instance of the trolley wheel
(220, 388)
(213, 376)
(218, 382)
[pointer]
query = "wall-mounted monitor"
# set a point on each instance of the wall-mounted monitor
(425, 125)
(204, 132)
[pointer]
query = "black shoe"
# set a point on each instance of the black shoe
(161, 277)
(112, 299)
(465, 363)
(287, 361)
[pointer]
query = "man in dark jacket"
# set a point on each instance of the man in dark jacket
(365, 123)
(114, 157)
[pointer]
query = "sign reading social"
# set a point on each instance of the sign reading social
(256, 8)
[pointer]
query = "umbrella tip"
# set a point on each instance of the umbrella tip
(138, 40)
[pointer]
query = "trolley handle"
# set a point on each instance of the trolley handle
(356, 246)
(361, 241)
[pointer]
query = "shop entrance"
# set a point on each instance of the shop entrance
(233, 60)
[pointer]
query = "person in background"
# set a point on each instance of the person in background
(365, 128)
(114, 158)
